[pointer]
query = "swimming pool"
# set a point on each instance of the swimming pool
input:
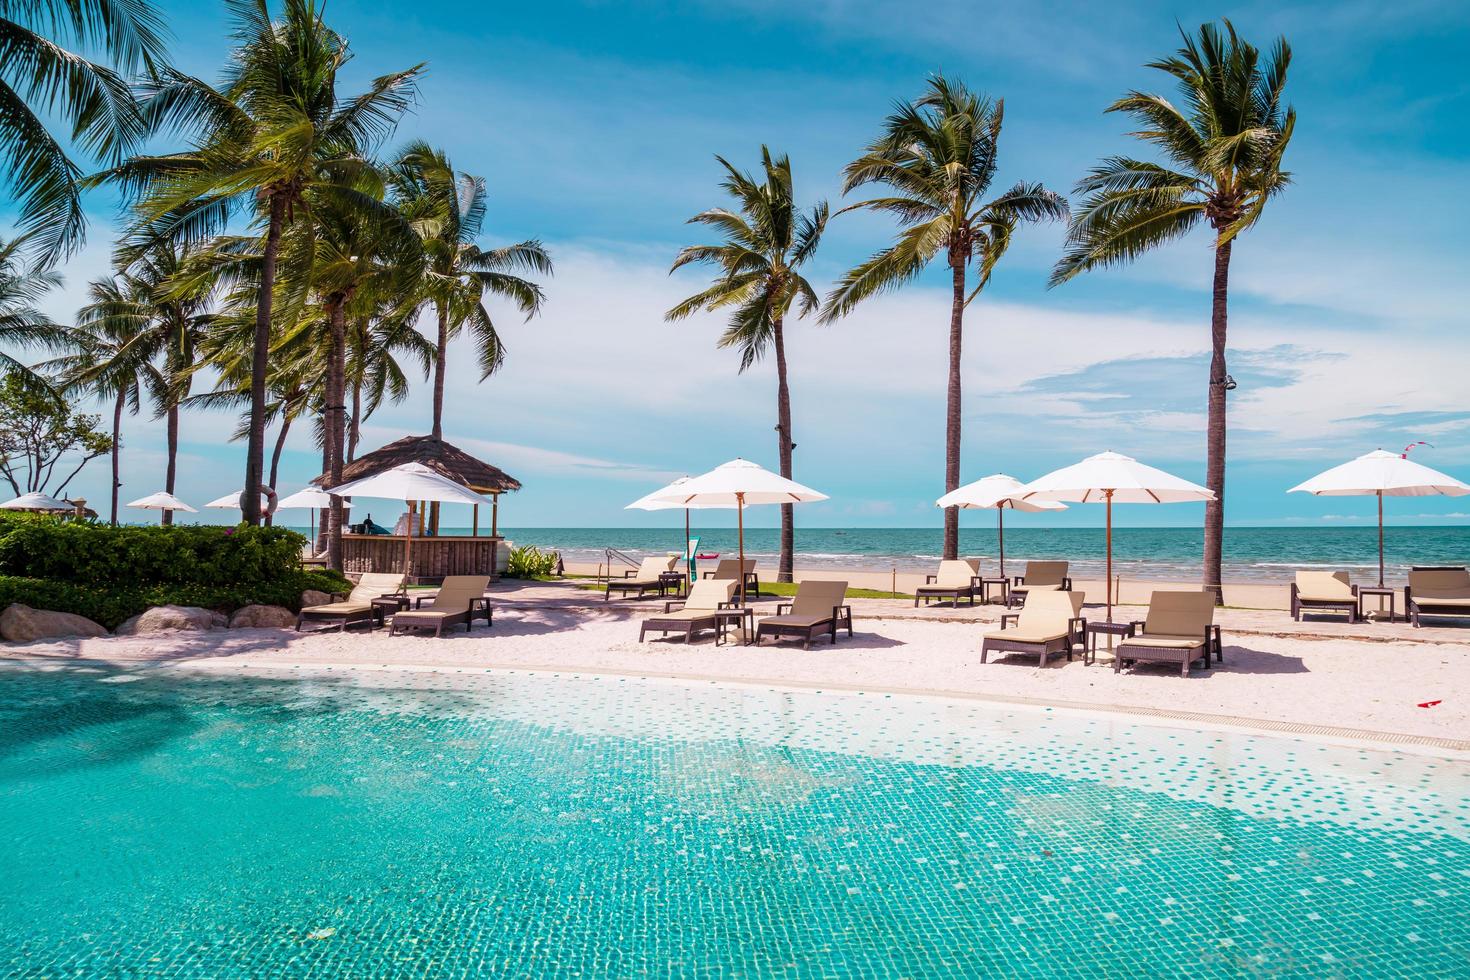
(180, 824)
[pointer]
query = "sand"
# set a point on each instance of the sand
(1362, 681)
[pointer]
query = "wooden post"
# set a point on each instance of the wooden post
(495, 515)
(475, 529)
(408, 544)
(1000, 513)
(740, 522)
(1108, 579)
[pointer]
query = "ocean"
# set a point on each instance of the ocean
(1252, 554)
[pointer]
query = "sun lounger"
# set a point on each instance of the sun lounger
(699, 612)
(955, 580)
(653, 575)
(1051, 623)
(1324, 590)
(729, 568)
(1437, 592)
(356, 606)
(819, 607)
(1179, 630)
(1041, 576)
(459, 599)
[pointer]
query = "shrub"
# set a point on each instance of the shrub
(530, 561)
(110, 605)
(93, 554)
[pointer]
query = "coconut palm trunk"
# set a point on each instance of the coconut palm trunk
(441, 367)
(785, 567)
(354, 428)
(260, 364)
(952, 407)
(335, 424)
(172, 468)
(441, 364)
(1215, 425)
(117, 414)
(279, 448)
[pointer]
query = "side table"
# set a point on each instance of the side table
(1096, 628)
(1378, 590)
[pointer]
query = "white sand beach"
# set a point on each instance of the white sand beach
(1321, 677)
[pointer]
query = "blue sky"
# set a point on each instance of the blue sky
(595, 126)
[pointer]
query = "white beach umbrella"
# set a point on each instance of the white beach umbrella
(37, 502)
(1109, 477)
(410, 483)
(310, 499)
(657, 500)
(739, 484)
(1382, 474)
(162, 500)
(997, 492)
(231, 501)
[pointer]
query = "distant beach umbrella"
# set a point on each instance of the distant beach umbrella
(410, 483)
(997, 492)
(1108, 478)
(738, 484)
(657, 500)
(162, 500)
(310, 499)
(38, 502)
(231, 501)
(1382, 474)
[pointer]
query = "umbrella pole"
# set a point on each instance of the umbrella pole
(1000, 515)
(1108, 580)
(408, 545)
(688, 557)
(740, 523)
(1380, 539)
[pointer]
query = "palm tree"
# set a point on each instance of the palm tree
(275, 140)
(42, 80)
(765, 244)
(939, 156)
(1223, 149)
(22, 324)
(364, 244)
(152, 315)
(109, 361)
(447, 209)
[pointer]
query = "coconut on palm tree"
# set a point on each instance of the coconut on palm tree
(447, 208)
(938, 155)
(1222, 148)
(273, 141)
(45, 78)
(766, 242)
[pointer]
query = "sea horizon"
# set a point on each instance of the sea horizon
(1251, 554)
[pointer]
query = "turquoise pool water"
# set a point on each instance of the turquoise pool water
(460, 824)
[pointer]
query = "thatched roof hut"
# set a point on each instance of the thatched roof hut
(437, 455)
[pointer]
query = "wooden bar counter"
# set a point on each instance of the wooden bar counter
(433, 557)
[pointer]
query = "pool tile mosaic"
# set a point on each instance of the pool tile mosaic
(467, 825)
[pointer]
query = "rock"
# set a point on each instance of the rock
(315, 597)
(262, 617)
(218, 621)
(162, 618)
(22, 624)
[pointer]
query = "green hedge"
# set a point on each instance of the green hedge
(112, 604)
(92, 554)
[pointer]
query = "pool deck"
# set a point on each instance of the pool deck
(1322, 678)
